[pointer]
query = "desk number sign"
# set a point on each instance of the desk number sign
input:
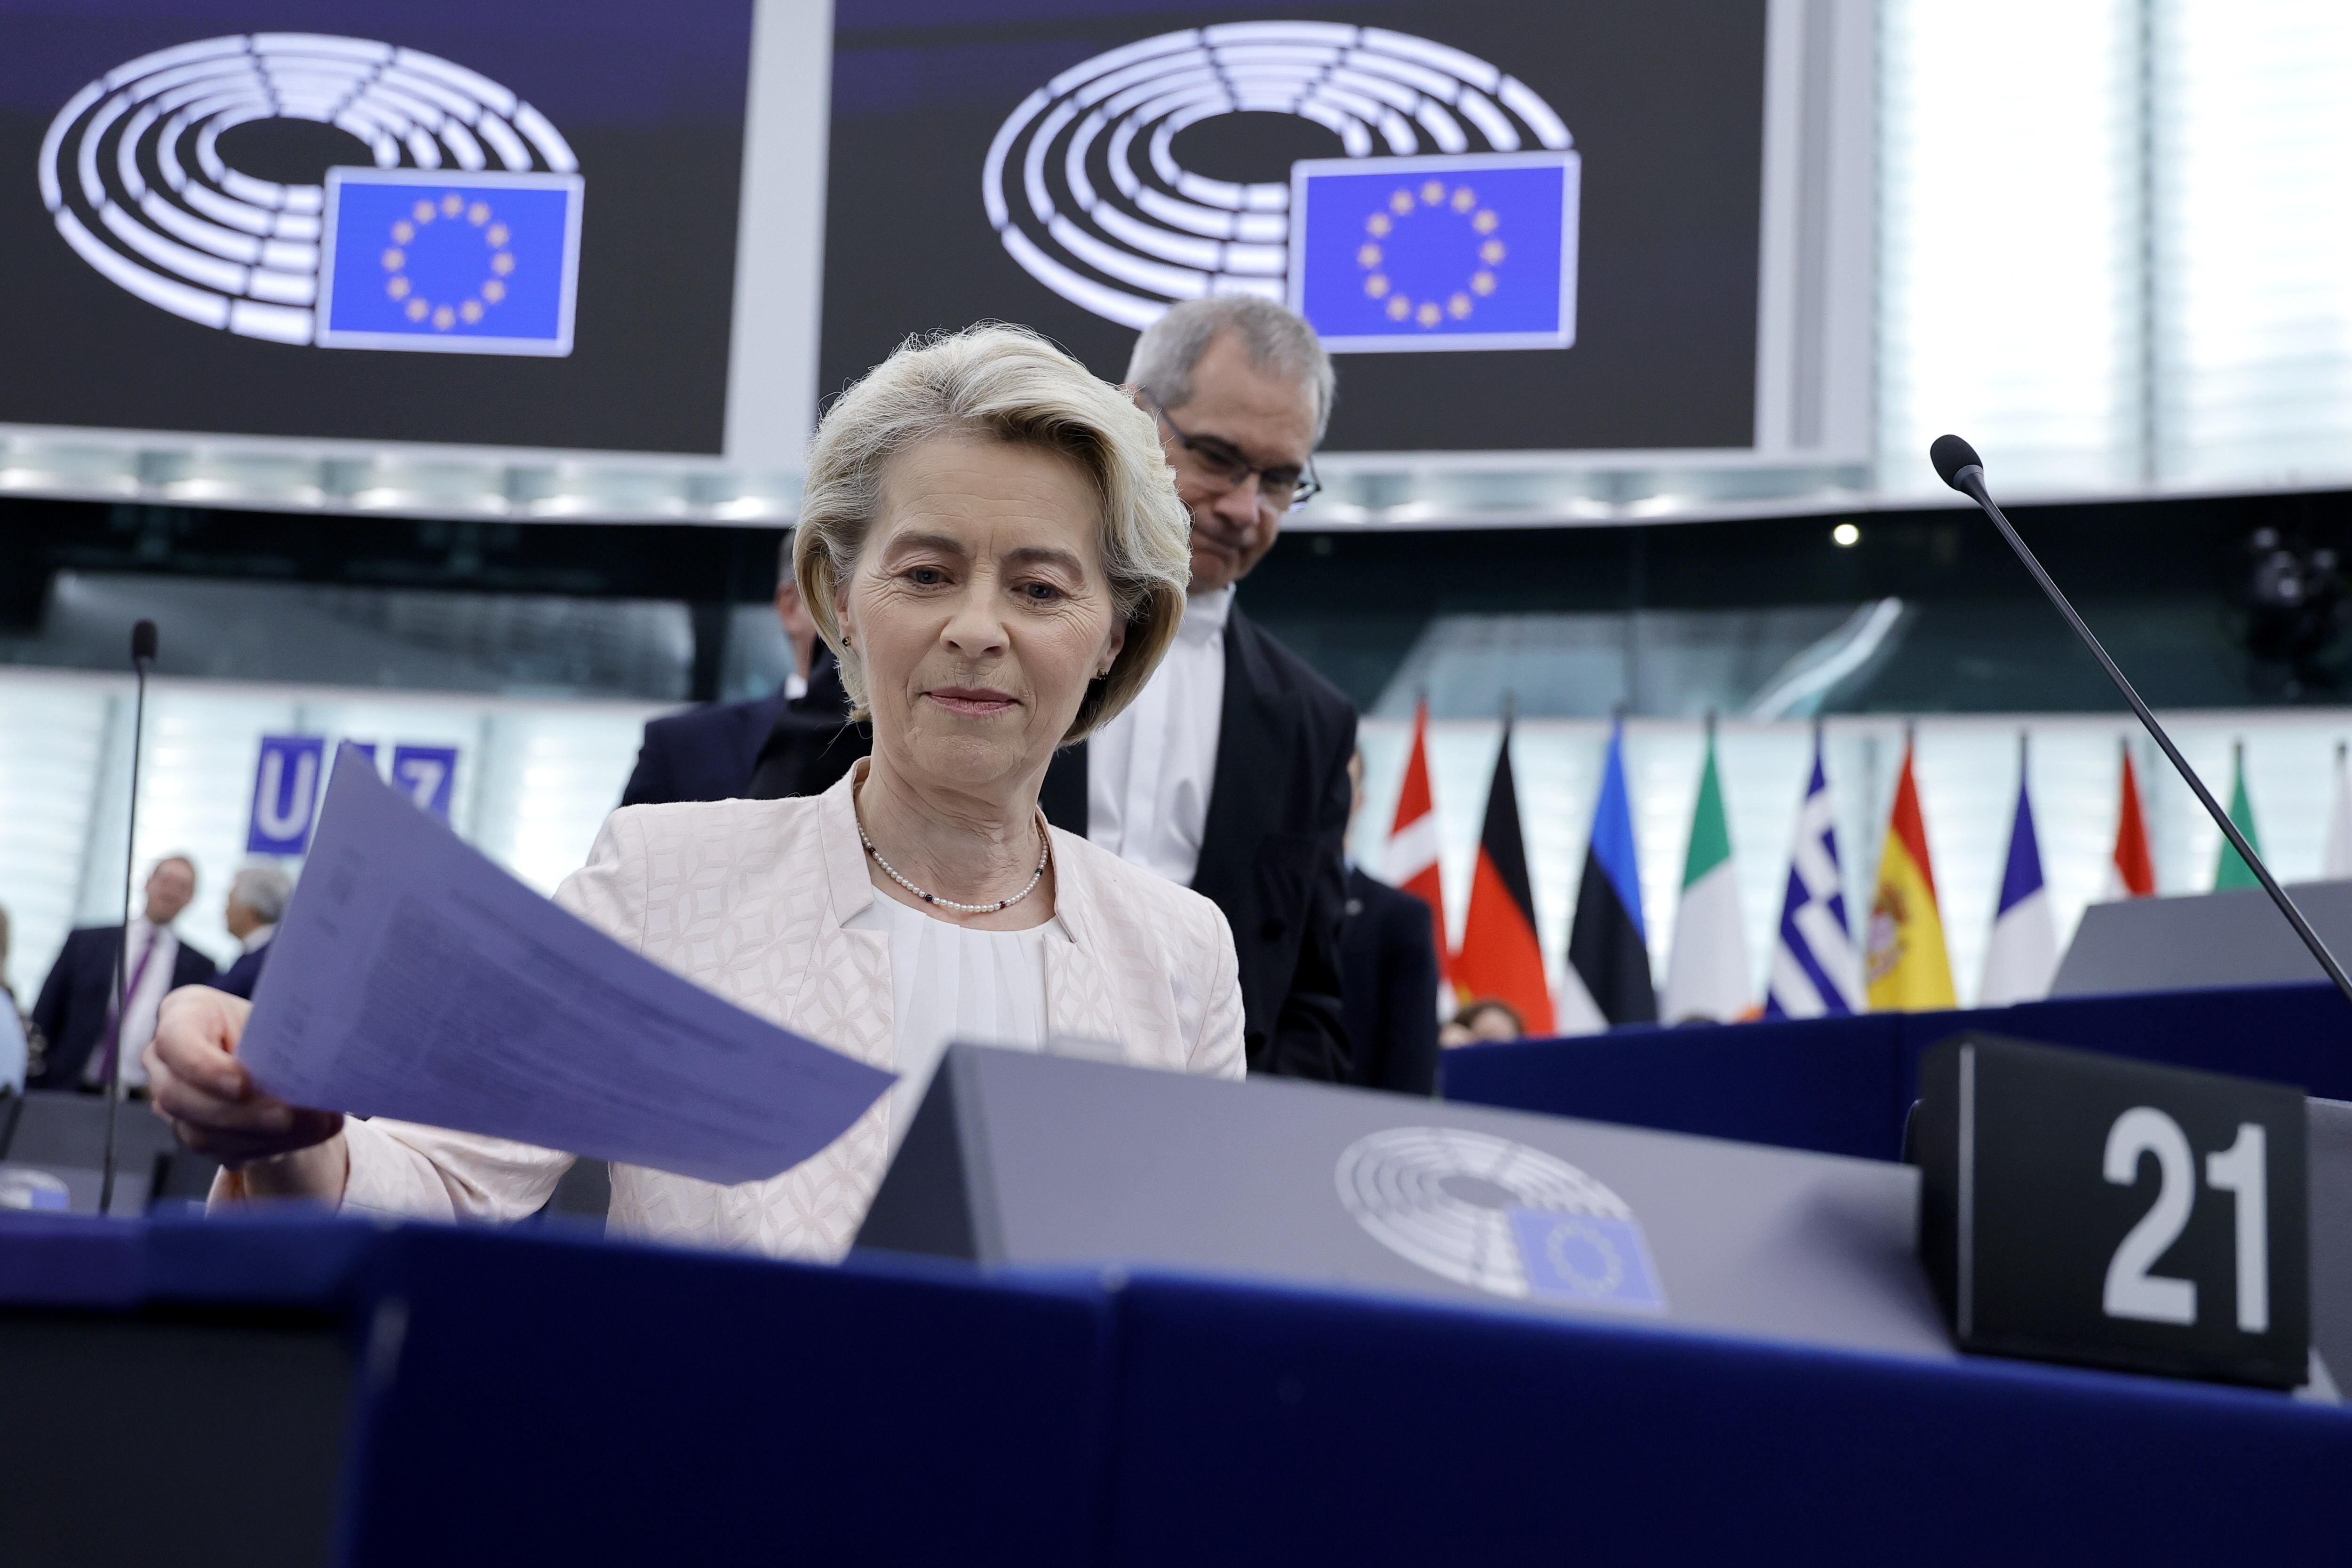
(2084, 1208)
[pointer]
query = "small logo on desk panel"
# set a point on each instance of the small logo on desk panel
(1499, 1217)
(23, 1186)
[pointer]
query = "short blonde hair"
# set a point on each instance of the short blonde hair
(1001, 383)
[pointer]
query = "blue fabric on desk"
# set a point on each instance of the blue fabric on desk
(526, 1398)
(1788, 1083)
(64, 1260)
(560, 1400)
(2289, 1034)
(1841, 1085)
(283, 1257)
(1287, 1426)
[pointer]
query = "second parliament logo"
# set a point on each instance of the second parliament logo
(1449, 221)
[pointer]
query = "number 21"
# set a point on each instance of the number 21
(2131, 1290)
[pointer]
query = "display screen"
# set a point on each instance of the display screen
(485, 225)
(1523, 225)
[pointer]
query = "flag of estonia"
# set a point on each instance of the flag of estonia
(1607, 946)
(1444, 252)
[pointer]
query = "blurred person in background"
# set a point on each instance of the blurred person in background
(796, 741)
(75, 1011)
(1388, 973)
(1482, 1022)
(16, 1045)
(1229, 775)
(993, 545)
(257, 901)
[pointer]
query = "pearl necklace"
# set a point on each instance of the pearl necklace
(1045, 848)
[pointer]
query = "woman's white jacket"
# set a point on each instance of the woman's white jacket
(751, 899)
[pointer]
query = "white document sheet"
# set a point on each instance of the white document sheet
(412, 978)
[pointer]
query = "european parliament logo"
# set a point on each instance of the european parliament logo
(1450, 223)
(1393, 254)
(1499, 1217)
(134, 178)
(483, 264)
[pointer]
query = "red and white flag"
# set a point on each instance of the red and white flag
(2131, 870)
(1411, 861)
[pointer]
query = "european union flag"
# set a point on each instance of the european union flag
(449, 261)
(1587, 1258)
(1475, 252)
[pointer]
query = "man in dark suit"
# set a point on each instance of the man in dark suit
(796, 741)
(76, 1008)
(257, 901)
(1387, 964)
(1229, 773)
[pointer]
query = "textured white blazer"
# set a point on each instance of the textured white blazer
(750, 899)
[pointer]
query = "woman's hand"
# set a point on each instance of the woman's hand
(205, 1093)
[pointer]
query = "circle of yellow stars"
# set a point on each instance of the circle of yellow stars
(1403, 204)
(446, 314)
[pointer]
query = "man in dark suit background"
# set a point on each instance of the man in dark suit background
(1229, 773)
(796, 741)
(257, 901)
(75, 1011)
(1388, 965)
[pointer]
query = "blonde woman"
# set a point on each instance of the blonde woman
(993, 545)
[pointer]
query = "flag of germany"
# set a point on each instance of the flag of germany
(1500, 956)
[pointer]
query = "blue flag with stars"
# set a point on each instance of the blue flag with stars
(1444, 253)
(469, 263)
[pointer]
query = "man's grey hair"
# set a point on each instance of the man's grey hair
(784, 559)
(264, 889)
(1277, 340)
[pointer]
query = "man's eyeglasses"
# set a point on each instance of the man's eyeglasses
(1281, 488)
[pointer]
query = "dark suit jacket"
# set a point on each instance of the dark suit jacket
(1388, 967)
(713, 752)
(71, 1011)
(1270, 854)
(812, 743)
(239, 979)
(703, 754)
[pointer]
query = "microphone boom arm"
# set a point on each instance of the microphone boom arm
(142, 654)
(1968, 479)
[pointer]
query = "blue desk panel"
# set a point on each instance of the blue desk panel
(1279, 1426)
(544, 1398)
(575, 1402)
(1841, 1085)
(1798, 1085)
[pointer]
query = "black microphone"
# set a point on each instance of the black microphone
(1958, 464)
(142, 654)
